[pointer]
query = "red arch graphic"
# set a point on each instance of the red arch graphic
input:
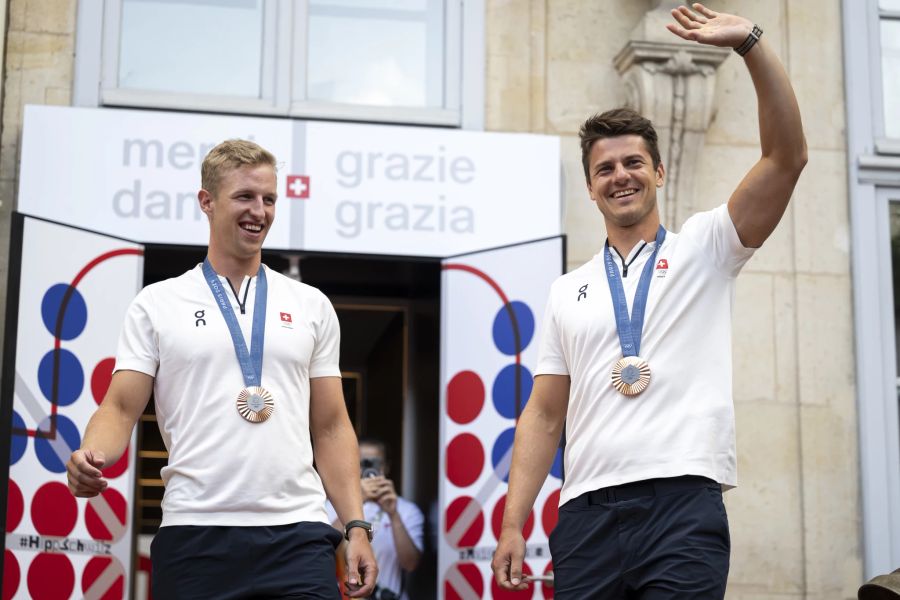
(51, 433)
(512, 317)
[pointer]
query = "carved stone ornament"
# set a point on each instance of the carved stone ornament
(672, 83)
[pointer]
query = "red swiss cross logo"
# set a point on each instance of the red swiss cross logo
(662, 264)
(298, 186)
(286, 318)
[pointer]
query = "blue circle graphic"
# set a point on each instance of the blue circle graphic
(75, 317)
(54, 453)
(71, 377)
(503, 332)
(503, 449)
(19, 441)
(557, 468)
(504, 390)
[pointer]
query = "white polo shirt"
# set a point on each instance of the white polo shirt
(222, 469)
(683, 423)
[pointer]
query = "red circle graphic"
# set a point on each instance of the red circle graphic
(107, 574)
(101, 377)
(11, 575)
(105, 516)
(54, 510)
(465, 460)
(550, 514)
(15, 506)
(465, 397)
(51, 577)
(469, 531)
(462, 580)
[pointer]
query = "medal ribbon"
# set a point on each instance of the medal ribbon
(250, 361)
(630, 329)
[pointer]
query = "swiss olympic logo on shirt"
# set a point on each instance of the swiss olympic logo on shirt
(662, 267)
(286, 320)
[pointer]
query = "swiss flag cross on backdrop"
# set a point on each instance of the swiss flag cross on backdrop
(298, 186)
(286, 318)
(662, 264)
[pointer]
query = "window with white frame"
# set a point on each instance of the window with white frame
(889, 14)
(872, 91)
(370, 60)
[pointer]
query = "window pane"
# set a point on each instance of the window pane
(895, 263)
(376, 52)
(194, 46)
(890, 73)
(889, 4)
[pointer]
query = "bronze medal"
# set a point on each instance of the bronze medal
(255, 404)
(631, 375)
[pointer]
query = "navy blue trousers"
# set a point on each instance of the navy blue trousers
(650, 540)
(231, 563)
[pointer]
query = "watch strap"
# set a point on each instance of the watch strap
(358, 523)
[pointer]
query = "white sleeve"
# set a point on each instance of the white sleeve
(551, 359)
(329, 510)
(138, 348)
(413, 520)
(326, 354)
(713, 231)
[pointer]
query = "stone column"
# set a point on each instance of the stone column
(671, 82)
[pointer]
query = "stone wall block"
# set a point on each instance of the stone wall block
(47, 51)
(12, 127)
(585, 231)
(831, 502)
(16, 15)
(765, 509)
(507, 107)
(785, 338)
(824, 334)
(569, 105)
(50, 16)
(753, 338)
(816, 71)
(719, 171)
(589, 31)
(735, 121)
(58, 96)
(15, 51)
(507, 23)
(822, 224)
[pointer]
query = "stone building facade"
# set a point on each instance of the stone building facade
(796, 516)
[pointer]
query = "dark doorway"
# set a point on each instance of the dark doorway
(389, 311)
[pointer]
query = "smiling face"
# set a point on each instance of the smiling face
(622, 181)
(241, 211)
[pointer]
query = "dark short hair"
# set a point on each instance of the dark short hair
(375, 442)
(613, 123)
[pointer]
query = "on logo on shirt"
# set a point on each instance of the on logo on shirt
(286, 320)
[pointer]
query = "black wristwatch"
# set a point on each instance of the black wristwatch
(357, 523)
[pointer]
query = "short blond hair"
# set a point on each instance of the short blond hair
(230, 155)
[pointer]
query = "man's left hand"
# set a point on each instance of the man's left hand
(706, 26)
(362, 571)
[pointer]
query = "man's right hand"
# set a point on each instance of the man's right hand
(507, 561)
(362, 570)
(83, 472)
